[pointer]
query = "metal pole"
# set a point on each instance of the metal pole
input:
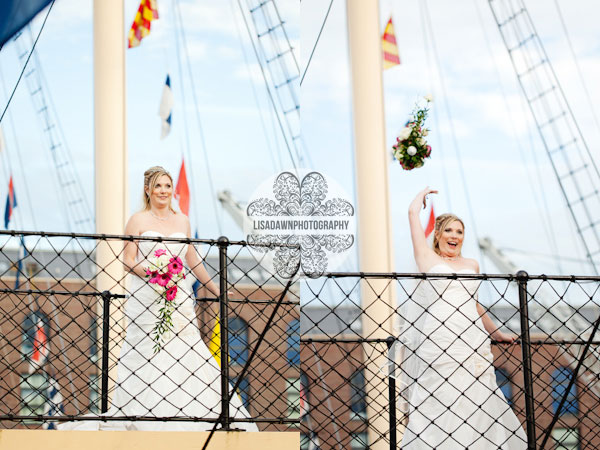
(105, 351)
(571, 384)
(522, 277)
(392, 398)
(223, 242)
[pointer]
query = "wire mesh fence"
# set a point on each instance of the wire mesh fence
(412, 361)
(81, 346)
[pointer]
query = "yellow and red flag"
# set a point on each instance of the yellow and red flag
(147, 12)
(391, 56)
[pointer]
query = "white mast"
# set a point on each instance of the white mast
(110, 150)
(374, 222)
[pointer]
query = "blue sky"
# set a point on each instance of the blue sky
(507, 170)
(230, 96)
(498, 145)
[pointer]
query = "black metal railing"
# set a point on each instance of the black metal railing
(549, 377)
(76, 335)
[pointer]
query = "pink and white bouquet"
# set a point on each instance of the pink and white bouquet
(411, 148)
(163, 273)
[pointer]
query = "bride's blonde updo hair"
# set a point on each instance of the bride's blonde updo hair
(151, 177)
(441, 222)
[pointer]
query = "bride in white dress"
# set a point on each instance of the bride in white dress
(182, 379)
(447, 374)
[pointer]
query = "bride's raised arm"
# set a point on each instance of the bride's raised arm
(423, 254)
(194, 262)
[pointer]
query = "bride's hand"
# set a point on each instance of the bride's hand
(499, 336)
(421, 198)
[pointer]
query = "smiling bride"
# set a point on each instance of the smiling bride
(447, 376)
(179, 377)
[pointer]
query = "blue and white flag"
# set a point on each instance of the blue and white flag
(166, 108)
(54, 404)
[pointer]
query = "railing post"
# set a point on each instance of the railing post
(106, 296)
(223, 243)
(522, 278)
(392, 397)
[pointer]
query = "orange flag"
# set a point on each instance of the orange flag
(391, 56)
(182, 191)
(430, 223)
(147, 12)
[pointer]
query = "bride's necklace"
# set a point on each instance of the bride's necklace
(449, 258)
(162, 219)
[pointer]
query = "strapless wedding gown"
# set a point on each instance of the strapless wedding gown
(449, 379)
(182, 379)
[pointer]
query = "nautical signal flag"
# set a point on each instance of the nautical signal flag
(54, 404)
(430, 222)
(41, 347)
(182, 191)
(214, 345)
(11, 203)
(391, 56)
(147, 12)
(165, 110)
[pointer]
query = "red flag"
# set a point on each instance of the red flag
(431, 222)
(182, 191)
(41, 348)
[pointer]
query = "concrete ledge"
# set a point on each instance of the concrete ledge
(145, 440)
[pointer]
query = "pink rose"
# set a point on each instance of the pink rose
(161, 251)
(175, 265)
(171, 293)
(163, 279)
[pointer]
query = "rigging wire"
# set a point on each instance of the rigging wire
(272, 152)
(278, 56)
(287, 144)
(88, 214)
(200, 129)
(9, 163)
(578, 68)
(436, 117)
(27, 61)
(185, 146)
(316, 42)
(463, 177)
(545, 217)
(572, 125)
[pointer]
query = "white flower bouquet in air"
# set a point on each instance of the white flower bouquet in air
(411, 147)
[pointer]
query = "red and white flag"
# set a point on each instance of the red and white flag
(430, 222)
(41, 347)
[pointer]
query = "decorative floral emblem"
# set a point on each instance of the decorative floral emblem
(301, 225)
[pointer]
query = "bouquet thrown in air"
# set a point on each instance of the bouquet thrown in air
(163, 273)
(411, 148)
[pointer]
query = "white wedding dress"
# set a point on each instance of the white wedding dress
(446, 372)
(182, 379)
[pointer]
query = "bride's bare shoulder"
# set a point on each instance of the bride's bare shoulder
(472, 263)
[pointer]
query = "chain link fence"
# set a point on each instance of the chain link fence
(405, 361)
(78, 336)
